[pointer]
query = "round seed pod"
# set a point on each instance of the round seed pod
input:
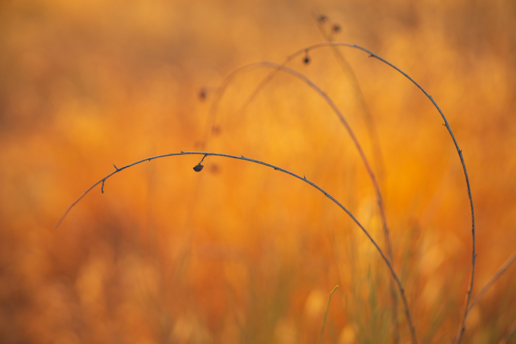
(198, 168)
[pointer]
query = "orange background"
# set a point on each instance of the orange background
(240, 253)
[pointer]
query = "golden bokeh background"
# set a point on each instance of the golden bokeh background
(240, 253)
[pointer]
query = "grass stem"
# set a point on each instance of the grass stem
(326, 315)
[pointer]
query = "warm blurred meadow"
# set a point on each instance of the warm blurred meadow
(240, 253)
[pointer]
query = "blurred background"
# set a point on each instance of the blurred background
(240, 253)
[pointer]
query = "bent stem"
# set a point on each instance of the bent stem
(304, 179)
(326, 315)
(462, 327)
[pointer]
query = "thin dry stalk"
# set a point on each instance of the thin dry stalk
(199, 167)
(326, 315)
(462, 326)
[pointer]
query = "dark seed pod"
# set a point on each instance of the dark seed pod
(336, 28)
(306, 60)
(202, 94)
(198, 168)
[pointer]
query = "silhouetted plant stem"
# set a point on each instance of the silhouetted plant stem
(304, 179)
(459, 151)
